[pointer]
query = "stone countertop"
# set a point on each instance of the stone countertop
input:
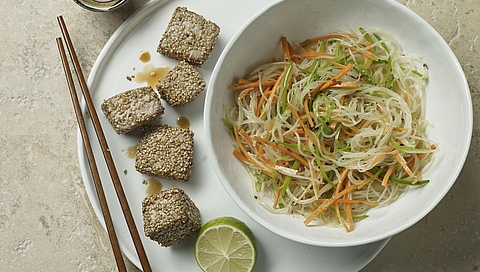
(46, 219)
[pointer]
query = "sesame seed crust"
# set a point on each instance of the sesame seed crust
(133, 108)
(181, 85)
(170, 217)
(188, 36)
(165, 151)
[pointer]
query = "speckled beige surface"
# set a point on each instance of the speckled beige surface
(46, 220)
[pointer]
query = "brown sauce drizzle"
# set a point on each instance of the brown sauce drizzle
(151, 75)
(154, 186)
(145, 56)
(131, 152)
(183, 122)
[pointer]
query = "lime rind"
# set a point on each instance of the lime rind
(225, 244)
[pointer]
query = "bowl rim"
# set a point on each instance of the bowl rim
(213, 159)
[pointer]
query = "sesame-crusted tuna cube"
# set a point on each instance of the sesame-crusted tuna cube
(181, 85)
(131, 109)
(165, 151)
(170, 217)
(188, 37)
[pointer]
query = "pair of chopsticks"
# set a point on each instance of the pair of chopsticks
(105, 151)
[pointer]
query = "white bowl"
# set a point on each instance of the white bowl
(448, 108)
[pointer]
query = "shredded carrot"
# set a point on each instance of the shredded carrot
(363, 52)
(277, 198)
(421, 155)
(266, 93)
(283, 149)
(242, 81)
(387, 120)
(270, 127)
(244, 93)
(293, 55)
(327, 203)
(254, 85)
(417, 178)
(388, 174)
(411, 160)
(307, 112)
(403, 163)
(290, 140)
(365, 182)
(308, 48)
(369, 49)
(334, 63)
(328, 37)
(299, 131)
(333, 80)
(272, 93)
(351, 201)
(339, 118)
(246, 136)
(345, 84)
(339, 216)
(348, 209)
(259, 105)
(240, 155)
(260, 151)
(308, 132)
(303, 193)
(247, 155)
(313, 54)
(370, 174)
(378, 159)
(282, 163)
(286, 50)
(342, 178)
(337, 190)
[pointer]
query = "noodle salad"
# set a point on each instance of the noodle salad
(335, 128)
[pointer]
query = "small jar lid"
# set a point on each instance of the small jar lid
(100, 5)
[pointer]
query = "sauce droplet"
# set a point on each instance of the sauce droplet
(154, 186)
(131, 152)
(151, 75)
(145, 56)
(183, 122)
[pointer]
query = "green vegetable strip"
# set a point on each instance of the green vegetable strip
(399, 180)
(304, 148)
(289, 178)
(227, 124)
(285, 86)
(408, 148)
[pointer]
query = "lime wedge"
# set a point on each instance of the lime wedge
(225, 244)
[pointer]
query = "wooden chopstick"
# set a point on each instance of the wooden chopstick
(91, 161)
(105, 150)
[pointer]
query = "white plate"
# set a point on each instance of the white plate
(141, 32)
